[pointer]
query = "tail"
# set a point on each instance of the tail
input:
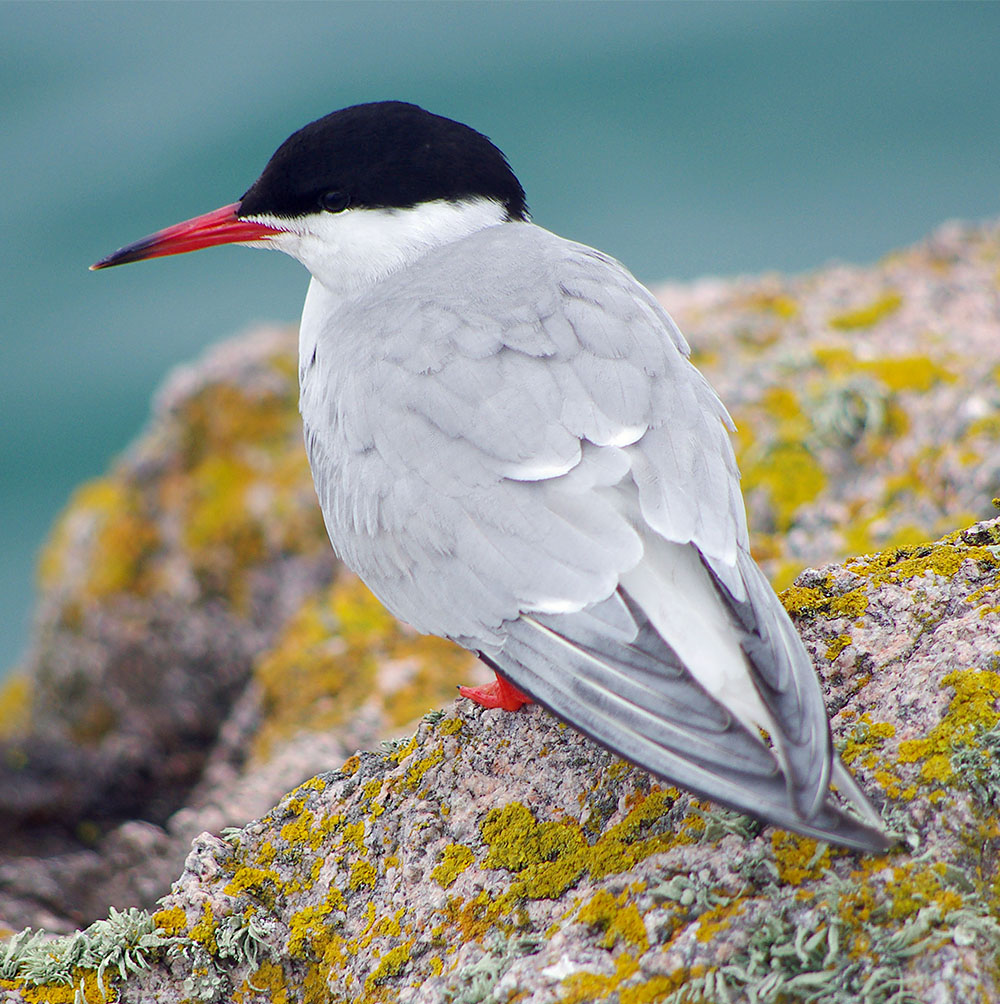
(679, 671)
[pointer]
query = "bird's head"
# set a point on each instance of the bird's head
(357, 194)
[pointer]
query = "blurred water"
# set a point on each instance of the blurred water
(683, 138)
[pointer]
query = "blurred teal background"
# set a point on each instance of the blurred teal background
(683, 138)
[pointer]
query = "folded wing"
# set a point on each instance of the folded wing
(544, 477)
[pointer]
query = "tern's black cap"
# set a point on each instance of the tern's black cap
(387, 154)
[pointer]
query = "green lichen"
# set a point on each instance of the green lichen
(977, 765)
(848, 941)
(477, 983)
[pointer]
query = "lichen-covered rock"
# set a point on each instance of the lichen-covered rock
(159, 585)
(198, 654)
(192, 640)
(502, 856)
(866, 398)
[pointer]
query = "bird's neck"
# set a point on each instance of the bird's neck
(350, 252)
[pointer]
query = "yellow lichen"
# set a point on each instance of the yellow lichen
(798, 858)
(363, 873)
(471, 920)
(82, 989)
(203, 932)
(900, 564)
(866, 737)
(717, 919)
(417, 770)
(971, 710)
(220, 531)
(807, 601)
(837, 646)
(268, 980)
(329, 658)
(15, 705)
(618, 919)
(391, 964)
(354, 833)
(894, 565)
(122, 542)
(240, 483)
(454, 860)
(869, 315)
(655, 989)
(450, 726)
(783, 467)
(550, 857)
(779, 304)
(402, 752)
(585, 988)
(261, 883)
(309, 926)
(917, 373)
(172, 922)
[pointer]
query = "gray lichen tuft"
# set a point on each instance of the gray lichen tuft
(123, 944)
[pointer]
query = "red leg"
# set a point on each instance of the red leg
(499, 694)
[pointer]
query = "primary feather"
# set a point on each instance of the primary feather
(512, 449)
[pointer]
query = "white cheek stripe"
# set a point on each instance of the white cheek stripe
(351, 250)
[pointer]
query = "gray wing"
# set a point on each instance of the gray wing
(512, 449)
(504, 426)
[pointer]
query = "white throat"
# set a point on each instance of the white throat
(350, 251)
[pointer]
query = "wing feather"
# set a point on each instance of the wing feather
(512, 449)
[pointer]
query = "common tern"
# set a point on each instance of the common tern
(513, 450)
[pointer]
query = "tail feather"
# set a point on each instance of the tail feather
(629, 690)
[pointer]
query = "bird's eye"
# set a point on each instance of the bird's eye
(335, 201)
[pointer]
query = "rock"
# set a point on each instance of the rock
(198, 654)
(866, 398)
(498, 856)
(194, 649)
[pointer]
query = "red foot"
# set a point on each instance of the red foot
(499, 694)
